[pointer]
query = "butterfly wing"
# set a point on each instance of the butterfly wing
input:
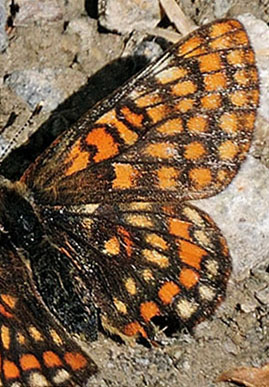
(178, 130)
(34, 350)
(145, 261)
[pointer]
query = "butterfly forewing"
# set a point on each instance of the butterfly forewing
(178, 130)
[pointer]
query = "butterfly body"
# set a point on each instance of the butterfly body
(100, 224)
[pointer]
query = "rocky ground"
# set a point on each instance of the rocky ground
(67, 56)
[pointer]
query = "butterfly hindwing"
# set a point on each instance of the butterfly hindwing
(145, 260)
(34, 350)
(179, 130)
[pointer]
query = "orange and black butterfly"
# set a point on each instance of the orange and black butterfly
(99, 227)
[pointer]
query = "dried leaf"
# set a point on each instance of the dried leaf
(248, 376)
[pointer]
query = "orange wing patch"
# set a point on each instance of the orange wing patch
(184, 88)
(110, 118)
(149, 310)
(126, 175)
(191, 254)
(75, 360)
(201, 177)
(28, 362)
(133, 118)
(188, 278)
(168, 291)
(77, 159)
(194, 150)
(105, 145)
(168, 178)
(11, 371)
(179, 228)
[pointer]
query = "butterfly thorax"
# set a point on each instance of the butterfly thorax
(17, 217)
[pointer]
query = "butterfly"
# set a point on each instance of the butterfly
(99, 227)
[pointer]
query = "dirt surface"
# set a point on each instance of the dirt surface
(59, 54)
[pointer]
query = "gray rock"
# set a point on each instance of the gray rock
(241, 212)
(36, 86)
(3, 35)
(124, 16)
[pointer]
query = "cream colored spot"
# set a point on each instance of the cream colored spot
(36, 335)
(156, 241)
(112, 246)
(130, 286)
(55, 337)
(148, 100)
(136, 93)
(85, 209)
(86, 223)
(139, 220)
(38, 380)
(193, 216)
(16, 384)
(5, 336)
(156, 257)
(229, 122)
(239, 98)
(223, 42)
(90, 208)
(171, 74)
(236, 57)
(202, 238)
(186, 308)
(20, 339)
(162, 66)
(9, 300)
(61, 376)
(242, 77)
(212, 268)
(140, 206)
(147, 275)
(121, 307)
(206, 292)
